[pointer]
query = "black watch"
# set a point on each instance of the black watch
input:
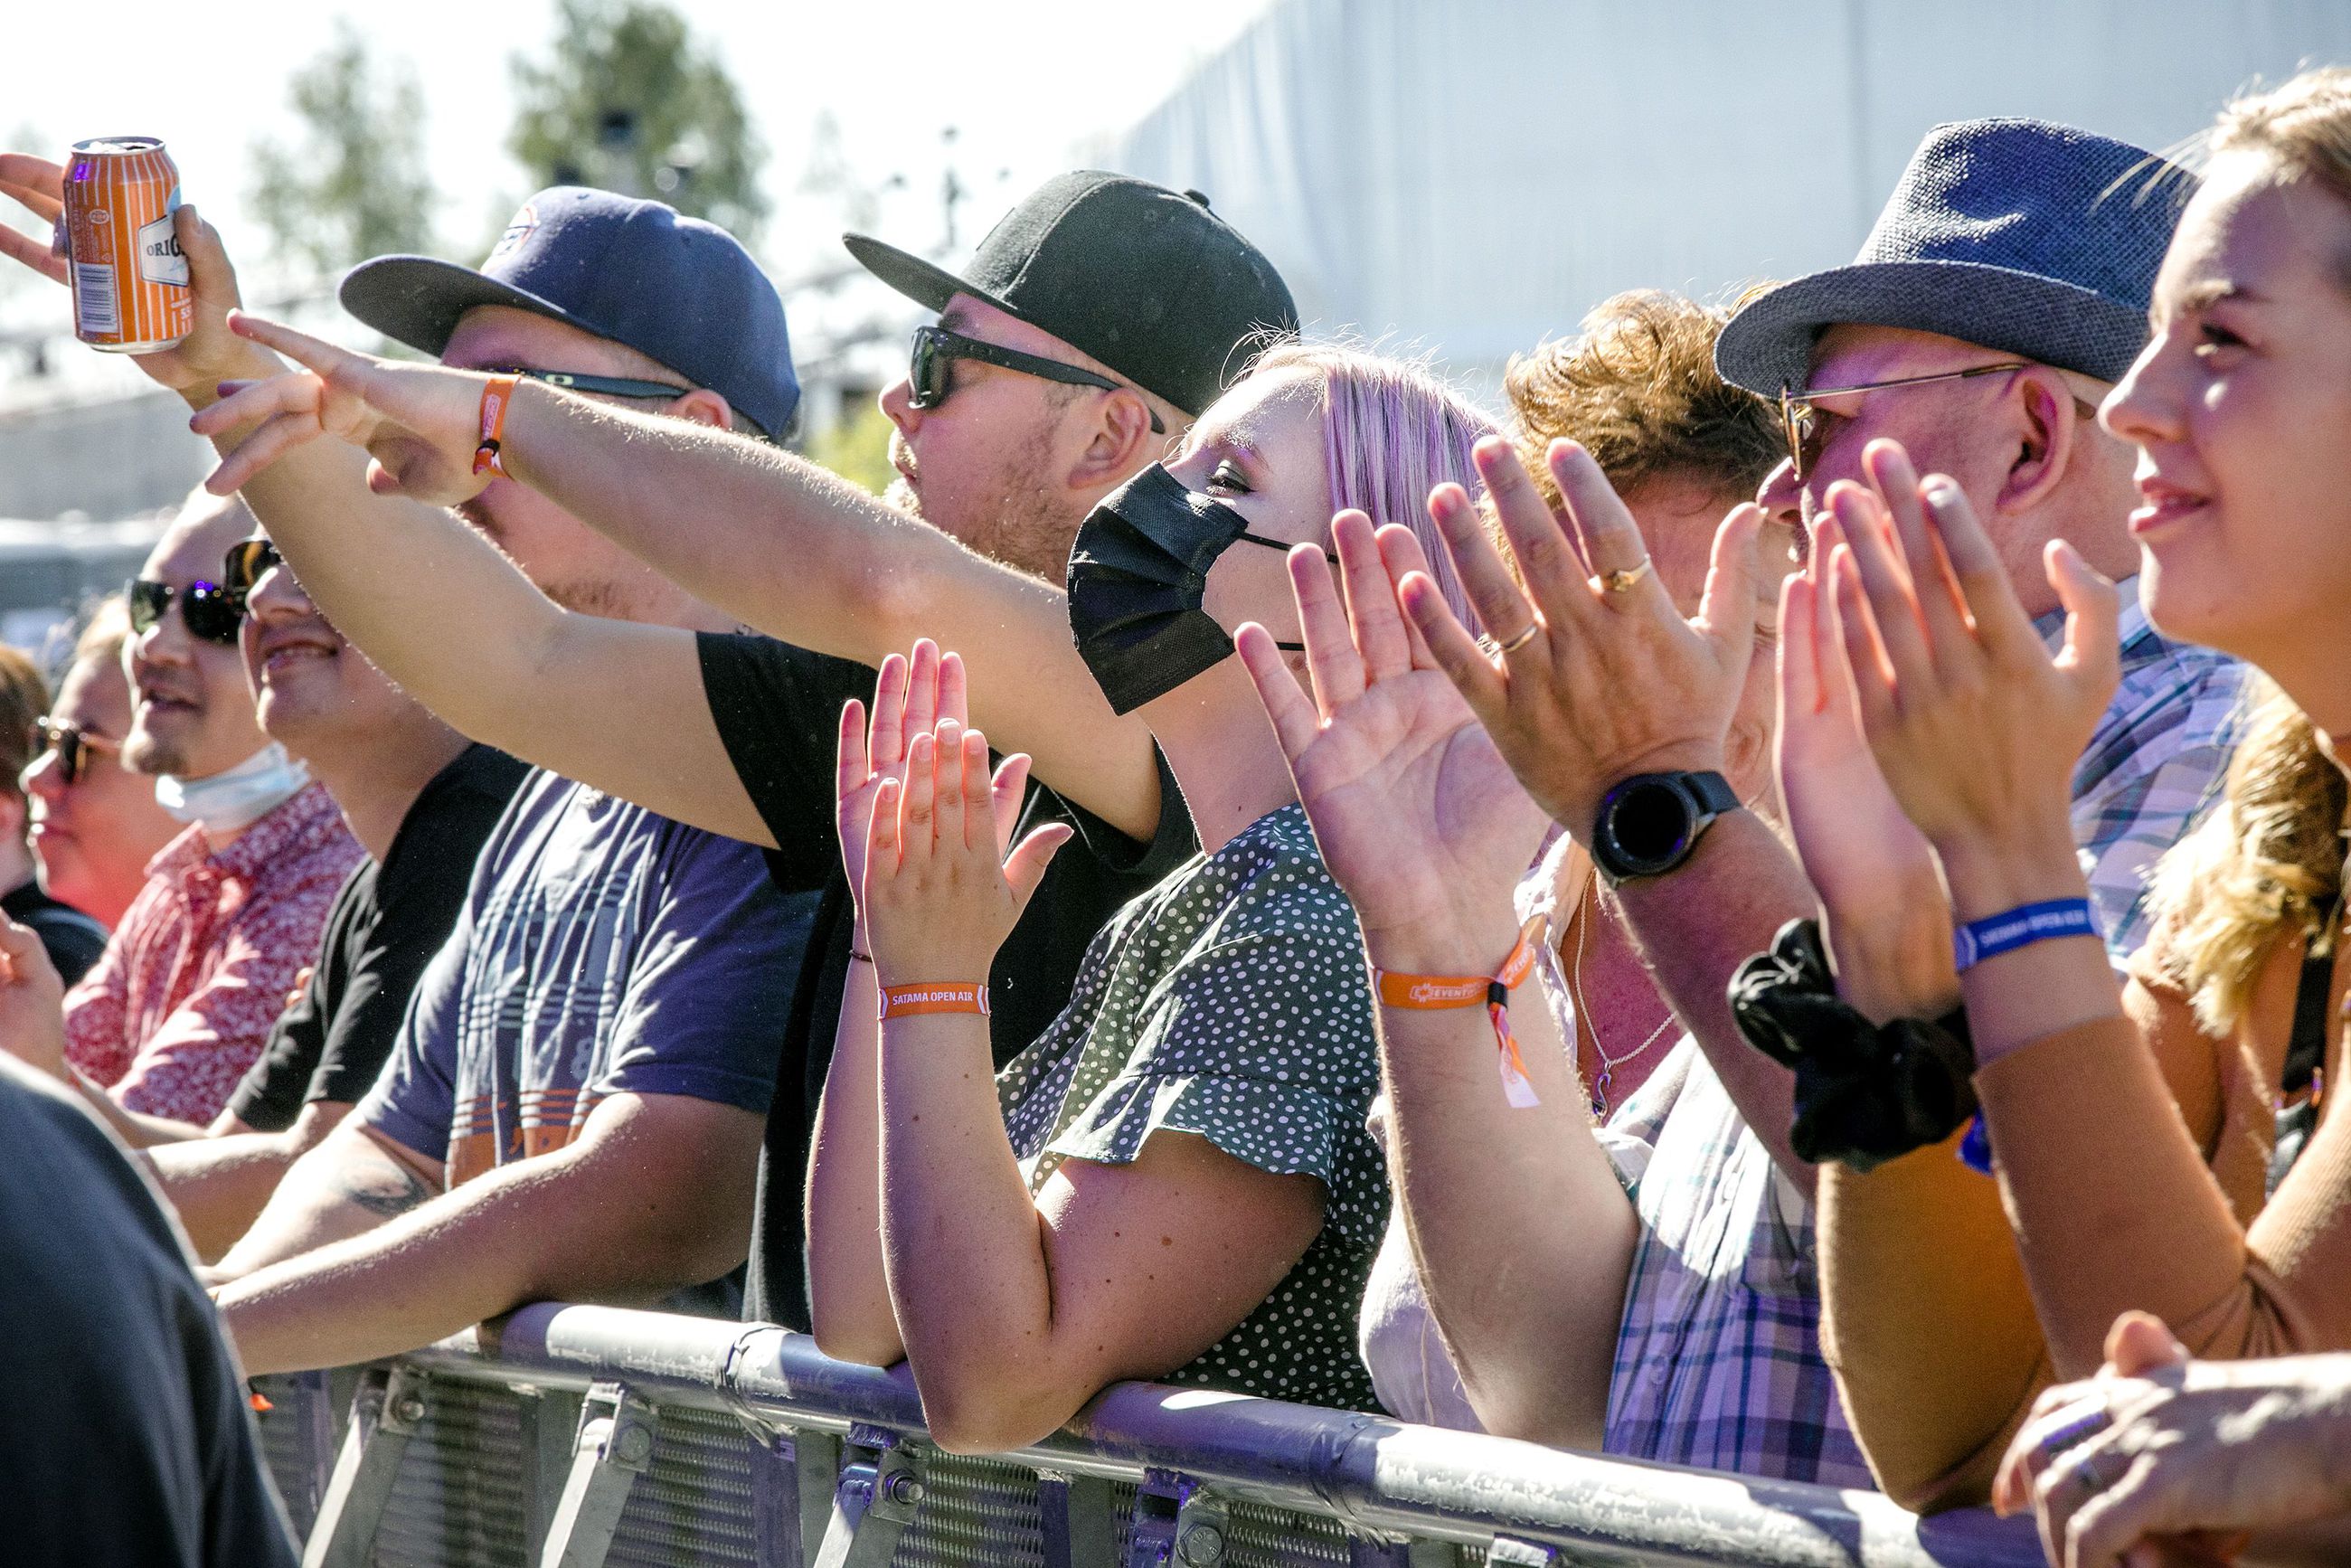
(1649, 824)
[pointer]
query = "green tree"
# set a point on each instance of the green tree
(629, 99)
(355, 184)
(857, 448)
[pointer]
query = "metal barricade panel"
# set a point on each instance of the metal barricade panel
(694, 1507)
(461, 1496)
(973, 1511)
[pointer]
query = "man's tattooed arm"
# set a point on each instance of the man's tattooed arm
(388, 1187)
(355, 1180)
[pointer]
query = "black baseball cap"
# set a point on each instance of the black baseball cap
(677, 289)
(1145, 280)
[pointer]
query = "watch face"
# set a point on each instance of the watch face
(1649, 824)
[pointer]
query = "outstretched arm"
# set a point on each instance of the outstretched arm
(774, 540)
(552, 1226)
(1520, 1233)
(430, 602)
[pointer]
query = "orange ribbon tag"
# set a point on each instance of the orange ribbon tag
(934, 996)
(1431, 993)
(497, 398)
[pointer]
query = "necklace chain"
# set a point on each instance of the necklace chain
(1587, 907)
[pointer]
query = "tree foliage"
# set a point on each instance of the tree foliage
(627, 98)
(355, 183)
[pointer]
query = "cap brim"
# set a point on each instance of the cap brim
(418, 299)
(926, 283)
(1768, 345)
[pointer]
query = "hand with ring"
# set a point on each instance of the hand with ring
(1591, 673)
(2163, 1460)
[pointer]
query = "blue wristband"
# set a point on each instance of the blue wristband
(2021, 928)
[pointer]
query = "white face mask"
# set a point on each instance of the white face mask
(230, 801)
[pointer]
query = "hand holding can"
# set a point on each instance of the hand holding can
(129, 274)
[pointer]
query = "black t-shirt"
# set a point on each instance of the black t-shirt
(778, 709)
(73, 939)
(387, 923)
(125, 1437)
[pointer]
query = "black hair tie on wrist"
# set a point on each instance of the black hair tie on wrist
(1865, 1093)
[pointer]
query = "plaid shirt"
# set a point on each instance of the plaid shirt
(2154, 766)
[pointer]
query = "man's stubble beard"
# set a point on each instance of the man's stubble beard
(1020, 527)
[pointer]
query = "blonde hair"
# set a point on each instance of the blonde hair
(2305, 125)
(2264, 866)
(2268, 863)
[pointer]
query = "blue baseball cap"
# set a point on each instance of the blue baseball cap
(674, 288)
(2025, 236)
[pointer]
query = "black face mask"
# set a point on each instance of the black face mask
(1138, 573)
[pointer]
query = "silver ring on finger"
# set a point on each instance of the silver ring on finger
(1624, 582)
(1521, 640)
(2084, 1473)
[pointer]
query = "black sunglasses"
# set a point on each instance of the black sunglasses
(936, 348)
(246, 563)
(606, 386)
(73, 745)
(211, 612)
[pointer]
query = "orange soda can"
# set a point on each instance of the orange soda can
(130, 277)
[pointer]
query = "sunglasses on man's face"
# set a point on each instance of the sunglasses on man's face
(246, 563)
(210, 610)
(74, 748)
(930, 372)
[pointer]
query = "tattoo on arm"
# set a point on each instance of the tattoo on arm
(389, 1188)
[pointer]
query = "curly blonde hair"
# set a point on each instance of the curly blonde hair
(1636, 388)
(2268, 863)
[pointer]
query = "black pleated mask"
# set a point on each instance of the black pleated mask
(1138, 576)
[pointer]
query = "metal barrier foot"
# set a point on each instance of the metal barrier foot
(385, 1412)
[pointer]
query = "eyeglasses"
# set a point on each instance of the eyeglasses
(71, 745)
(246, 563)
(935, 349)
(211, 612)
(1806, 427)
(603, 386)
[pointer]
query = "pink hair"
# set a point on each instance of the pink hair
(1392, 432)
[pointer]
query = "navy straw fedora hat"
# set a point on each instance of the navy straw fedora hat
(2031, 238)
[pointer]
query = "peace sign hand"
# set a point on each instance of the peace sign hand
(419, 422)
(1599, 677)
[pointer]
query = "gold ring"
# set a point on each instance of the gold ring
(1623, 581)
(1522, 638)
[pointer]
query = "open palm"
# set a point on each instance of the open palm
(1417, 815)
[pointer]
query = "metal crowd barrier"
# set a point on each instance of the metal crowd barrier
(583, 1437)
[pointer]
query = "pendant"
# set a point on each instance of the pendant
(1600, 1093)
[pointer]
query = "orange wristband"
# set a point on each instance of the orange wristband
(1434, 993)
(934, 996)
(497, 398)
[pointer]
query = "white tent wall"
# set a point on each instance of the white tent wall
(1470, 176)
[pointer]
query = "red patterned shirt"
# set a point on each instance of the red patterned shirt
(181, 1002)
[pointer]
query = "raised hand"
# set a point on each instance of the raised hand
(208, 355)
(1887, 920)
(912, 694)
(419, 422)
(1601, 678)
(1975, 726)
(939, 898)
(1415, 811)
(2160, 1458)
(32, 1020)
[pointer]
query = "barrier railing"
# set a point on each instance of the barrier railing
(587, 1436)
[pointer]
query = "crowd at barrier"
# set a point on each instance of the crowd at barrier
(1770, 906)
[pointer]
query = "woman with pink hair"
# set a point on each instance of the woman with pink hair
(1175, 1181)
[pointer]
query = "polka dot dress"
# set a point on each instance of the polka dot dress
(1231, 1002)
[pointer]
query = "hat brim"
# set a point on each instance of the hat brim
(419, 299)
(1768, 345)
(926, 283)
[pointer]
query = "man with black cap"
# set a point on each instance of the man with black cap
(1095, 322)
(602, 1023)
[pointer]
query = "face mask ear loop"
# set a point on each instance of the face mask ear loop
(1285, 545)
